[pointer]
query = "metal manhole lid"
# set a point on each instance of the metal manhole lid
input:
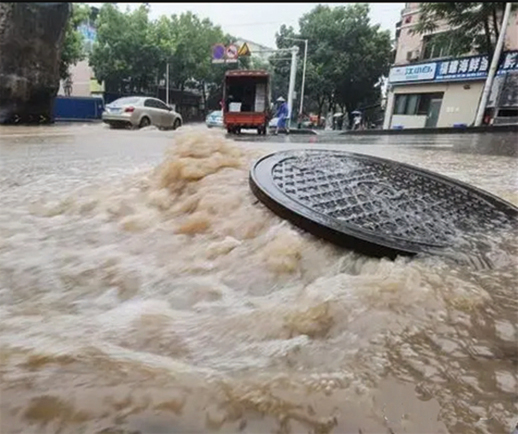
(376, 206)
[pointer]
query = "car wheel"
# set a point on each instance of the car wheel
(177, 124)
(144, 122)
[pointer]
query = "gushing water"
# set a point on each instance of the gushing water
(169, 300)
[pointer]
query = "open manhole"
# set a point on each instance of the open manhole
(375, 206)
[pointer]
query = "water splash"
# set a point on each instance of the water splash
(167, 298)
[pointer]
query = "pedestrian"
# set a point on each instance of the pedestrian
(282, 114)
(357, 120)
(340, 122)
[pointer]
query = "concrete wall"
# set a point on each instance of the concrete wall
(459, 105)
(511, 36)
(414, 42)
(80, 74)
(407, 41)
(408, 121)
(389, 108)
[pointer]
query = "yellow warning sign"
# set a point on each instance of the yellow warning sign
(244, 50)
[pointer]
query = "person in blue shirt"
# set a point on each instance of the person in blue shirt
(282, 114)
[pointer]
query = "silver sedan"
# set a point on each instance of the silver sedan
(140, 112)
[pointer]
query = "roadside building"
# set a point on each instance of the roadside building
(82, 81)
(430, 88)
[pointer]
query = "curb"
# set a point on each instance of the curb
(442, 130)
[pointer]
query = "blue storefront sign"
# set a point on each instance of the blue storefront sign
(510, 62)
(465, 68)
(462, 69)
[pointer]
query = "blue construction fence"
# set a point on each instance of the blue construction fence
(90, 108)
(78, 108)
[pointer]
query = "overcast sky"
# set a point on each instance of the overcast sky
(258, 22)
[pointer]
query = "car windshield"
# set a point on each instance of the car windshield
(125, 101)
(216, 113)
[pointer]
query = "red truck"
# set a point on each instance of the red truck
(246, 96)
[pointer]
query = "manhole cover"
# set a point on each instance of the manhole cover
(376, 206)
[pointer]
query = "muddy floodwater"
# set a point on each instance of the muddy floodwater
(144, 289)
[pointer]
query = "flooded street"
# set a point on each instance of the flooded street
(144, 289)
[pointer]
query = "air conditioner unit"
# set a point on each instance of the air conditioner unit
(413, 55)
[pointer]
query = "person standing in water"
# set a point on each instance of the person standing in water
(282, 114)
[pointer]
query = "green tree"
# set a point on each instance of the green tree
(125, 54)
(280, 62)
(187, 50)
(352, 53)
(132, 52)
(347, 56)
(472, 26)
(73, 51)
(190, 60)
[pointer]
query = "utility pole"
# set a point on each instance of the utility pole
(303, 78)
(167, 84)
(494, 65)
(301, 109)
(293, 72)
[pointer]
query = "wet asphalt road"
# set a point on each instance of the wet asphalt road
(29, 154)
(77, 134)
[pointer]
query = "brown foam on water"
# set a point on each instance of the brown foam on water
(273, 406)
(196, 158)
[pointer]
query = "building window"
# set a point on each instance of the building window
(400, 105)
(413, 104)
(432, 49)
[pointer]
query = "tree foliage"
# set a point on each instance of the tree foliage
(132, 51)
(72, 51)
(472, 26)
(347, 56)
(125, 53)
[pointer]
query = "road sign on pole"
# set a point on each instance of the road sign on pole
(232, 53)
(218, 53)
(244, 50)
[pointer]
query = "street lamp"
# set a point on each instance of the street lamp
(303, 71)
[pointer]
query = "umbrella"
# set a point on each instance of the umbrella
(356, 112)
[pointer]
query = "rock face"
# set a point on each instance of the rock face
(31, 39)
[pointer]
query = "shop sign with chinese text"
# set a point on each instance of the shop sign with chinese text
(465, 68)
